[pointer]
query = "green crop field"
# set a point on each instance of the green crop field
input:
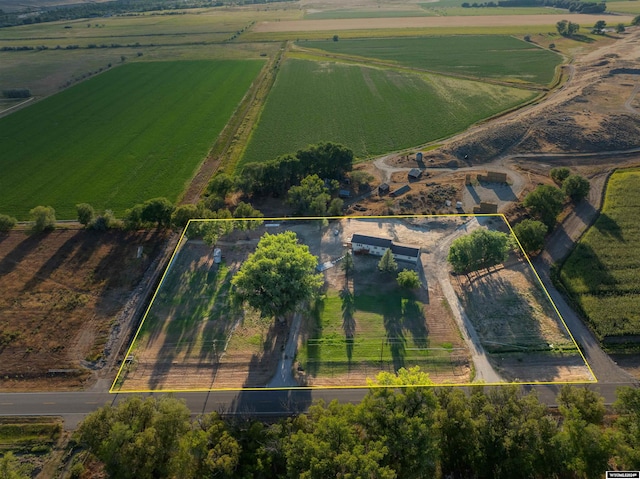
(632, 6)
(135, 132)
(602, 272)
(372, 111)
(486, 56)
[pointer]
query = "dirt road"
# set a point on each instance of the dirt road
(483, 368)
(559, 245)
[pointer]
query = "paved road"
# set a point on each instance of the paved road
(73, 406)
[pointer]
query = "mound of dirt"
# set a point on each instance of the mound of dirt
(594, 111)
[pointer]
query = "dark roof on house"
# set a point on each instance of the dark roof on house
(396, 248)
(383, 187)
(400, 191)
(415, 173)
(405, 250)
(371, 240)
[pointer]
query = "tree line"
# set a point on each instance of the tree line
(577, 6)
(545, 203)
(308, 179)
(408, 432)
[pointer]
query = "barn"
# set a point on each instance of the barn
(377, 246)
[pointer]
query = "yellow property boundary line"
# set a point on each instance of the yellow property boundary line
(114, 390)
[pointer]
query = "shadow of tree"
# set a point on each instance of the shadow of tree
(607, 226)
(413, 320)
(263, 366)
(348, 321)
(21, 251)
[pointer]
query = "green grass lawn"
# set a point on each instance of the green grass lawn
(371, 111)
(602, 273)
(367, 330)
(132, 133)
(486, 56)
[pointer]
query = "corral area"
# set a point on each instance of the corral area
(600, 274)
(196, 337)
(133, 133)
(62, 293)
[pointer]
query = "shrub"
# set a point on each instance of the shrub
(44, 218)
(7, 223)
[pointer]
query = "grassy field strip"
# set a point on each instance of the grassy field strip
(631, 7)
(193, 22)
(601, 274)
(45, 73)
(228, 148)
(133, 133)
(515, 30)
(369, 110)
(321, 55)
(496, 57)
(381, 13)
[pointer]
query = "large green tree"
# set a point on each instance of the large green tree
(545, 202)
(329, 443)
(559, 174)
(628, 425)
(138, 438)
(531, 234)
(408, 279)
(478, 250)
(327, 160)
(576, 187)
(278, 276)
(310, 196)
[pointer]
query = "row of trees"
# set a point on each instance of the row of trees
(43, 218)
(571, 5)
(275, 177)
(409, 432)
(481, 249)
(545, 203)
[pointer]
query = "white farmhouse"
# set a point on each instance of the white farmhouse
(377, 246)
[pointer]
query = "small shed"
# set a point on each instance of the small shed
(415, 173)
(400, 191)
(486, 208)
(383, 189)
(493, 177)
(217, 255)
(344, 194)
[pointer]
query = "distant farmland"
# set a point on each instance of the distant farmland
(482, 56)
(370, 110)
(602, 272)
(135, 132)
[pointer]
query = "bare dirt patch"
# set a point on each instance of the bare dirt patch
(518, 325)
(61, 293)
(594, 111)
